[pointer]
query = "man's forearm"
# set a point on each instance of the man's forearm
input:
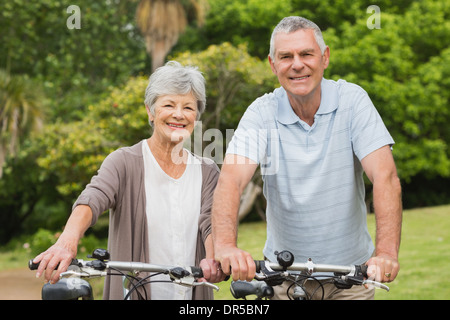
(388, 211)
(225, 214)
(234, 177)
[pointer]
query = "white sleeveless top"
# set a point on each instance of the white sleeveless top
(173, 209)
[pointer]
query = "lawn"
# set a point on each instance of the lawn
(424, 255)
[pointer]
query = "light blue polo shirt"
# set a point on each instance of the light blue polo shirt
(313, 178)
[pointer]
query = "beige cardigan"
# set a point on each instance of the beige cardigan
(119, 187)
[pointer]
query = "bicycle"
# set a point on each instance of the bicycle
(72, 285)
(270, 274)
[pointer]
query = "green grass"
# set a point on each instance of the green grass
(424, 255)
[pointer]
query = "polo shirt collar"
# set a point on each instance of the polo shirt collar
(328, 102)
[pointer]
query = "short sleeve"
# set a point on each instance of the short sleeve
(368, 131)
(250, 137)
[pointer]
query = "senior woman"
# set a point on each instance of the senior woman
(158, 193)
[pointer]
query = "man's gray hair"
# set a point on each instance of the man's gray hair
(175, 79)
(292, 24)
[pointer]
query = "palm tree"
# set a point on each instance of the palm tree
(162, 21)
(21, 112)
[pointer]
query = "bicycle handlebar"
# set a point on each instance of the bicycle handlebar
(311, 267)
(185, 276)
(270, 274)
(88, 268)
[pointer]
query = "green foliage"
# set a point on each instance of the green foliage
(75, 151)
(55, 166)
(21, 187)
(252, 21)
(340, 13)
(74, 65)
(247, 22)
(121, 116)
(405, 71)
(41, 241)
(22, 111)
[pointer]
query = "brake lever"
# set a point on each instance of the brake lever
(82, 274)
(376, 284)
(346, 282)
(271, 277)
(206, 284)
(190, 281)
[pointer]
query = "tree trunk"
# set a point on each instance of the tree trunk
(158, 54)
(251, 192)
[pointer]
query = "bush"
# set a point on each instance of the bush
(42, 240)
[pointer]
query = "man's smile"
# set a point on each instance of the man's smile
(299, 78)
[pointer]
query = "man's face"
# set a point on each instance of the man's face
(298, 62)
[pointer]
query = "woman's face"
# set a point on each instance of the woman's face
(174, 118)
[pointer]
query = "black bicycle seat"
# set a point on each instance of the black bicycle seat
(67, 289)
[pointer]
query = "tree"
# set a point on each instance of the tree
(74, 66)
(404, 68)
(161, 23)
(247, 22)
(42, 182)
(21, 112)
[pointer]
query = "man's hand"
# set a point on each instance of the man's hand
(236, 262)
(382, 268)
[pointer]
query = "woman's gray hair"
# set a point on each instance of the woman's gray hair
(174, 79)
(292, 24)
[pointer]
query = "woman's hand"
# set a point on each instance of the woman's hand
(212, 272)
(55, 260)
(65, 248)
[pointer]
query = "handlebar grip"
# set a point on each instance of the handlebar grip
(258, 264)
(32, 265)
(241, 289)
(197, 272)
(35, 266)
(364, 268)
